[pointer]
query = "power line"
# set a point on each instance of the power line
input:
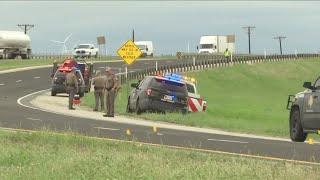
(26, 27)
(279, 38)
(248, 29)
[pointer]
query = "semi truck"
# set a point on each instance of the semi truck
(216, 44)
(14, 44)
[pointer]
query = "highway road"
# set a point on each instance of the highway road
(17, 84)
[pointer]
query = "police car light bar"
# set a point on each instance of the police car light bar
(179, 77)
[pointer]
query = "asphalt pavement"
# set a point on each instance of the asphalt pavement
(15, 85)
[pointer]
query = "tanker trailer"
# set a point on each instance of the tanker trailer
(13, 44)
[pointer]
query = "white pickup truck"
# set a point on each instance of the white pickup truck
(85, 50)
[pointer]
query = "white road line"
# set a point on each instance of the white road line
(231, 141)
(18, 81)
(110, 129)
(33, 119)
(102, 67)
(37, 77)
(2, 84)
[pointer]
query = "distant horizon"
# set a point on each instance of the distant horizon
(172, 26)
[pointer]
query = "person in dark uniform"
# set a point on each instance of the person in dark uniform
(98, 83)
(111, 84)
(72, 86)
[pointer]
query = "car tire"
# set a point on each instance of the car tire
(138, 108)
(53, 93)
(129, 110)
(296, 130)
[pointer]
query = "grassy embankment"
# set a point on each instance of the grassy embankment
(243, 98)
(44, 155)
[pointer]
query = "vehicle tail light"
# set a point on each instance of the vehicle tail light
(149, 91)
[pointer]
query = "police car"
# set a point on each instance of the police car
(304, 109)
(195, 102)
(58, 82)
(158, 94)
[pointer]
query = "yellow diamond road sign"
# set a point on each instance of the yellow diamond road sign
(129, 52)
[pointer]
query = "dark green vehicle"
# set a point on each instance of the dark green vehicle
(304, 111)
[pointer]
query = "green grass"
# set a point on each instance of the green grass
(243, 98)
(44, 155)
(19, 63)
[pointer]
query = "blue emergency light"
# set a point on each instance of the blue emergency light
(174, 77)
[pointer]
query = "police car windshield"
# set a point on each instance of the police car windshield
(60, 74)
(168, 85)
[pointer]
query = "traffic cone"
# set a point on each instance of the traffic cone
(128, 132)
(76, 100)
(310, 141)
(155, 129)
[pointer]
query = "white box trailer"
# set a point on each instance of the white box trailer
(13, 44)
(216, 44)
(146, 47)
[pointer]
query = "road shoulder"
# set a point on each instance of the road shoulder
(43, 101)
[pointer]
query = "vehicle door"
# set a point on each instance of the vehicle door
(311, 116)
(136, 92)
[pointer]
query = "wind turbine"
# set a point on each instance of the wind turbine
(63, 43)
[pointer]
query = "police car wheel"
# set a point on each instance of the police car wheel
(129, 110)
(53, 93)
(138, 109)
(296, 130)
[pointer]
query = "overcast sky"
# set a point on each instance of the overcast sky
(170, 25)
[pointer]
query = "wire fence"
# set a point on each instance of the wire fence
(189, 62)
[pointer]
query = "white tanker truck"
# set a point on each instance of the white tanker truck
(13, 44)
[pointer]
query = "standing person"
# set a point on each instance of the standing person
(111, 85)
(98, 83)
(227, 55)
(72, 86)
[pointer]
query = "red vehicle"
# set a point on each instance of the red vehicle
(84, 73)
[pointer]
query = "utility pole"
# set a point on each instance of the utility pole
(26, 27)
(248, 29)
(133, 35)
(279, 38)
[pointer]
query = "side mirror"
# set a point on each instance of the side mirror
(134, 85)
(146, 49)
(197, 47)
(308, 85)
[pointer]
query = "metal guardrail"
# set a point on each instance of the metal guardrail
(189, 63)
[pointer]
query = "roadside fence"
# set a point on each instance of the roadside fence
(188, 63)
